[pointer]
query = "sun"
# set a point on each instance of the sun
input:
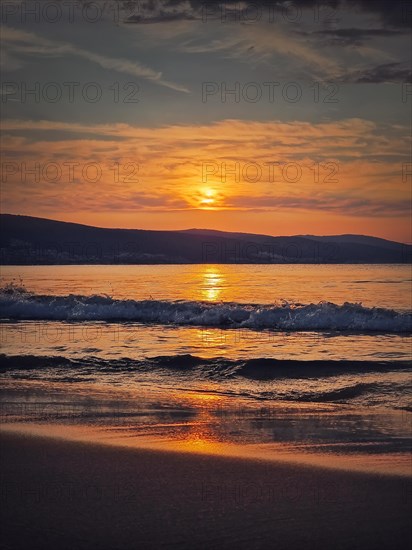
(207, 198)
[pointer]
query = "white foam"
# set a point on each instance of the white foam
(17, 304)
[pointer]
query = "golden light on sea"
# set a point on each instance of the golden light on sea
(212, 283)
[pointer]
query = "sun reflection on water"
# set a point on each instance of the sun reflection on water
(212, 283)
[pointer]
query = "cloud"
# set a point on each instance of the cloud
(264, 44)
(351, 36)
(394, 13)
(161, 17)
(274, 40)
(352, 167)
(331, 203)
(386, 73)
(25, 43)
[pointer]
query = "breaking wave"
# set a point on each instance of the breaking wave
(19, 304)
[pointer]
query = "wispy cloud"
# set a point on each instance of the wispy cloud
(352, 167)
(26, 43)
(387, 72)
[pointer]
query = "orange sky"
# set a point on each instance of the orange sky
(293, 122)
(258, 177)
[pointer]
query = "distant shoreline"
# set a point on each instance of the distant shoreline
(195, 263)
(35, 241)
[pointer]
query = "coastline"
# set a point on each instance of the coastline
(388, 464)
(331, 436)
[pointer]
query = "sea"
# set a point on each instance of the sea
(315, 358)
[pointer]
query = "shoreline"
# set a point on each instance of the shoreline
(202, 423)
(396, 465)
(66, 494)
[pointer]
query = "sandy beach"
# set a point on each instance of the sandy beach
(65, 494)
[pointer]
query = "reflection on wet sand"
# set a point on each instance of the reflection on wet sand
(206, 423)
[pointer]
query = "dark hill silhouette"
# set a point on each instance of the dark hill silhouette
(28, 240)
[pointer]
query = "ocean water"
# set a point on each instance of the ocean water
(240, 353)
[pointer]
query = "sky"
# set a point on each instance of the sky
(281, 118)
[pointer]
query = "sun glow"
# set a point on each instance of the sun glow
(207, 198)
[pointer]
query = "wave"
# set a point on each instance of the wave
(343, 389)
(18, 304)
(255, 369)
(342, 394)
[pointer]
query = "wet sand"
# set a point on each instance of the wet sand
(75, 495)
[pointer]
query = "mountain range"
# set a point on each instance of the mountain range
(27, 240)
